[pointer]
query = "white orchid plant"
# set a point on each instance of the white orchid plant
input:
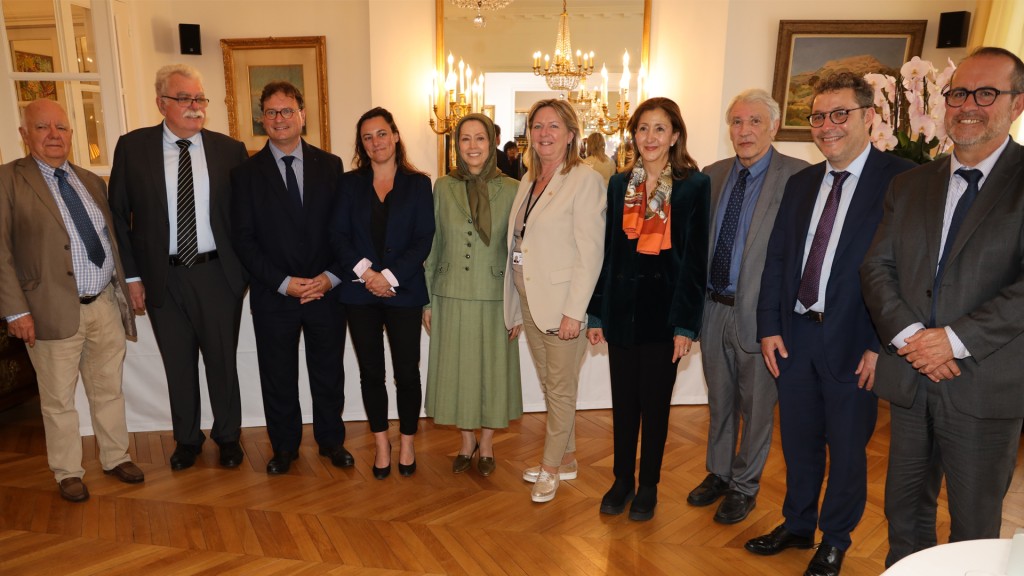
(910, 111)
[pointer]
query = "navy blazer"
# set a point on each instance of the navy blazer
(410, 232)
(273, 236)
(847, 327)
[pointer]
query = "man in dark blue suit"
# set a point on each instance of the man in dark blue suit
(816, 336)
(283, 199)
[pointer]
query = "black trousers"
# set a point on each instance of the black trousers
(366, 324)
(643, 376)
(277, 348)
(200, 314)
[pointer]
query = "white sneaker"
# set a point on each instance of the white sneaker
(565, 472)
(545, 487)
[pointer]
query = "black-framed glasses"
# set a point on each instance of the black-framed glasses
(285, 113)
(984, 96)
(817, 120)
(186, 101)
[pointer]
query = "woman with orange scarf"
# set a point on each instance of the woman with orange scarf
(649, 298)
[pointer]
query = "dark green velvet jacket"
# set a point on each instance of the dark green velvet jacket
(643, 299)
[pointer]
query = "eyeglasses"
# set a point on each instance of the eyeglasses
(285, 113)
(185, 101)
(984, 96)
(817, 120)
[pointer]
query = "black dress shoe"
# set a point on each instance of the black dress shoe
(734, 508)
(615, 500)
(643, 505)
(777, 541)
(281, 462)
(340, 457)
(184, 456)
(708, 491)
(827, 561)
(407, 469)
(231, 454)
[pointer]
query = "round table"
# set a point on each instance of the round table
(956, 559)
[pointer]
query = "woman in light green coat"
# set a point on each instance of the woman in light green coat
(473, 372)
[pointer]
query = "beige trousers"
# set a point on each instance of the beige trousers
(97, 352)
(558, 367)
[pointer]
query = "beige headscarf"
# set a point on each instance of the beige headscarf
(476, 184)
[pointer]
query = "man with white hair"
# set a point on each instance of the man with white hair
(170, 195)
(745, 193)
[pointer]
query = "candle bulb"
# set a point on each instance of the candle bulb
(579, 58)
(604, 84)
(451, 63)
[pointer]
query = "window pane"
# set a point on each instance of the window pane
(32, 32)
(84, 39)
(95, 130)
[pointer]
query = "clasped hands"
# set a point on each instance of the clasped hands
(377, 284)
(308, 289)
(931, 354)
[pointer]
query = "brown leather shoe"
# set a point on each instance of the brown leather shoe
(127, 472)
(73, 490)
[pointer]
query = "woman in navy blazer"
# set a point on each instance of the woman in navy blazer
(382, 230)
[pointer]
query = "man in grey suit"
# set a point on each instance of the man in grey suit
(62, 291)
(745, 195)
(944, 281)
(170, 194)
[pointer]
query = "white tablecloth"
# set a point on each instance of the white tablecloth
(145, 386)
(968, 558)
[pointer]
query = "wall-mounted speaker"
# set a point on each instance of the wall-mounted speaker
(954, 28)
(188, 36)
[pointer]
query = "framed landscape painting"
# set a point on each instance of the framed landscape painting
(811, 49)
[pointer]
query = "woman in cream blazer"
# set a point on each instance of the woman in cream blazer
(556, 246)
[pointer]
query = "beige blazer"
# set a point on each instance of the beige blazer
(36, 273)
(563, 249)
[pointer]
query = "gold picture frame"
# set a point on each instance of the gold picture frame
(251, 61)
(834, 45)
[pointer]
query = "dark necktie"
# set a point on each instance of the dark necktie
(83, 224)
(188, 242)
(959, 213)
(291, 182)
(809, 282)
(721, 262)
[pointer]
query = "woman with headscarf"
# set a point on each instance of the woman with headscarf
(473, 371)
(649, 300)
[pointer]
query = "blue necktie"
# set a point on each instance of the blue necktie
(290, 181)
(973, 177)
(721, 262)
(83, 224)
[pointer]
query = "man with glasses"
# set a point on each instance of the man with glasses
(815, 331)
(283, 201)
(170, 197)
(944, 281)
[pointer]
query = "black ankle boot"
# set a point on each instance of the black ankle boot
(615, 500)
(644, 503)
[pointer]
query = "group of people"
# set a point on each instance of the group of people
(819, 288)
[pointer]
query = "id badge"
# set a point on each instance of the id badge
(517, 258)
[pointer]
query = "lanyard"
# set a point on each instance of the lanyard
(529, 208)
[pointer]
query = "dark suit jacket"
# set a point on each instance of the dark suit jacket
(275, 238)
(410, 233)
(748, 285)
(504, 164)
(848, 328)
(138, 201)
(36, 272)
(982, 288)
(642, 299)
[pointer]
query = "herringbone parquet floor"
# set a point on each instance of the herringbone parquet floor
(321, 520)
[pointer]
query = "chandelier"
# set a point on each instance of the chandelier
(481, 5)
(563, 73)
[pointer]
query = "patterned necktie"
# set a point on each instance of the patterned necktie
(83, 224)
(721, 262)
(188, 242)
(973, 177)
(808, 292)
(290, 181)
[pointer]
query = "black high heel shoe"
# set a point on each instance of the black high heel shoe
(407, 469)
(382, 473)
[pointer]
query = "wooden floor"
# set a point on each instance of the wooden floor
(321, 520)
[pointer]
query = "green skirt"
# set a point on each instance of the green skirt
(473, 372)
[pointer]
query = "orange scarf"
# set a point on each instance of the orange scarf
(648, 220)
